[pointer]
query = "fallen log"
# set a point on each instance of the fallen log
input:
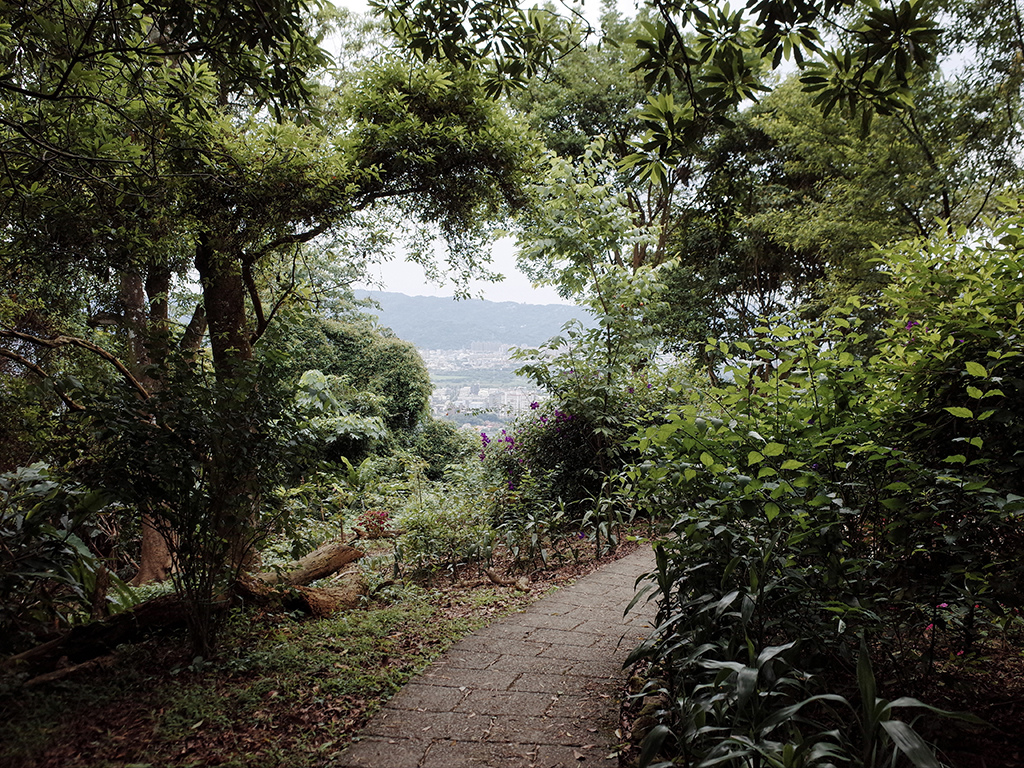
(321, 602)
(84, 643)
(103, 662)
(262, 588)
(322, 562)
(521, 584)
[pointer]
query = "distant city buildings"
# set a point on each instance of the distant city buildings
(495, 396)
(485, 355)
(446, 402)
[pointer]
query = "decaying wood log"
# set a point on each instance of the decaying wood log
(318, 564)
(522, 583)
(59, 674)
(85, 643)
(320, 602)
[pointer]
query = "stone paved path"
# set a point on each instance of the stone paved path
(534, 690)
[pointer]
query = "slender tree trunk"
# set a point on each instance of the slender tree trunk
(192, 339)
(148, 341)
(224, 302)
(155, 556)
(132, 296)
(232, 494)
(158, 283)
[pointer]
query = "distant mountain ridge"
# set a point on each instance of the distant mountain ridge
(432, 322)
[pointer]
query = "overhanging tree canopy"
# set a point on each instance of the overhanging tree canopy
(145, 145)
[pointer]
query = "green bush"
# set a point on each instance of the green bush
(602, 384)
(447, 526)
(47, 570)
(203, 461)
(440, 444)
(542, 459)
(838, 485)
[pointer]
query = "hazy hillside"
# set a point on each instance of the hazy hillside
(430, 322)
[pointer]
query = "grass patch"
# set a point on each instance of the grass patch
(283, 692)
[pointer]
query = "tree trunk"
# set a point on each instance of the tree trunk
(132, 296)
(158, 284)
(155, 557)
(192, 339)
(232, 496)
(224, 302)
(155, 561)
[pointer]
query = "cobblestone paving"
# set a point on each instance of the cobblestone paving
(535, 690)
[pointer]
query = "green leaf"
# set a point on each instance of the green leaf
(754, 458)
(771, 510)
(746, 684)
(910, 744)
(652, 743)
(976, 369)
(792, 464)
(774, 449)
(865, 678)
(960, 413)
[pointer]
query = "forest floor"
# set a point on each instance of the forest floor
(284, 691)
(287, 691)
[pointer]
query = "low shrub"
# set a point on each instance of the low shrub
(446, 526)
(48, 573)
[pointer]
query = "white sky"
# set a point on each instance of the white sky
(401, 276)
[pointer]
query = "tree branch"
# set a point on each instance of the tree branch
(295, 239)
(254, 298)
(194, 332)
(63, 341)
(42, 374)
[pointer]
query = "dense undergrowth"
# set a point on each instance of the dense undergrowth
(846, 501)
(841, 500)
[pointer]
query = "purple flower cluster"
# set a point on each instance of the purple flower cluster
(505, 437)
(559, 417)
(508, 439)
